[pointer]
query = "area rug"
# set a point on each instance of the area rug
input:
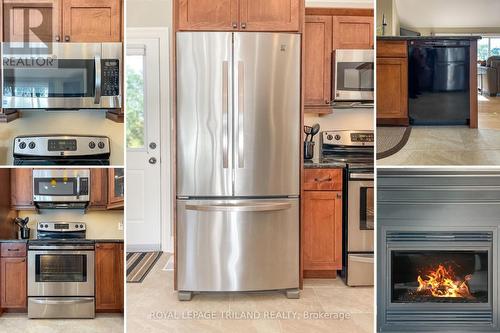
(139, 264)
(391, 139)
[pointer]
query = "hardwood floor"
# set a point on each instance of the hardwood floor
(489, 112)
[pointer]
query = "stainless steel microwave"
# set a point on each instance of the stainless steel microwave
(62, 76)
(61, 186)
(354, 75)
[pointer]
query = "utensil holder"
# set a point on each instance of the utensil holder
(24, 233)
(308, 150)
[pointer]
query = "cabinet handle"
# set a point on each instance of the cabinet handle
(58, 38)
(320, 180)
(327, 102)
(66, 38)
(235, 25)
(243, 25)
(339, 195)
(23, 260)
(13, 250)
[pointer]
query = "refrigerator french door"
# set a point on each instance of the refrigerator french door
(238, 145)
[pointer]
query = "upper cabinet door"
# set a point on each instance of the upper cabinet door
(318, 60)
(92, 21)
(353, 32)
(269, 15)
(207, 14)
(31, 21)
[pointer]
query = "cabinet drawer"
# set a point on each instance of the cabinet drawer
(323, 179)
(398, 49)
(13, 250)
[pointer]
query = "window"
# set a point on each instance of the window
(135, 97)
(487, 47)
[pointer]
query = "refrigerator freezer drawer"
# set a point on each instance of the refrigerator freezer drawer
(360, 270)
(237, 245)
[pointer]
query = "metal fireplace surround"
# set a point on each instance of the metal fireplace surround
(436, 216)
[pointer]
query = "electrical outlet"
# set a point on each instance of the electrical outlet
(120, 225)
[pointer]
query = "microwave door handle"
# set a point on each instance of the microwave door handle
(78, 187)
(97, 63)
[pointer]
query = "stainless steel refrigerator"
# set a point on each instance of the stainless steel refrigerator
(238, 144)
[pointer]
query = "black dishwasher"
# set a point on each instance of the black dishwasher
(438, 87)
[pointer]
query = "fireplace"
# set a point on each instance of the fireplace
(437, 252)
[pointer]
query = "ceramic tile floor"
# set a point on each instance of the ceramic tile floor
(454, 145)
(152, 304)
(103, 323)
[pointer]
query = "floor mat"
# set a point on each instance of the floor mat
(391, 139)
(139, 264)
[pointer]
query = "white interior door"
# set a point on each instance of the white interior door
(145, 154)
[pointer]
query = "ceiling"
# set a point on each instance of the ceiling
(448, 13)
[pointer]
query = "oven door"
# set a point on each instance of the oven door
(60, 273)
(354, 75)
(67, 78)
(360, 218)
(61, 185)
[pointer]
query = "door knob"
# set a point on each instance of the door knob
(152, 145)
(152, 160)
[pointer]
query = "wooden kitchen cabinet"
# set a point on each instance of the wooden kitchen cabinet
(109, 277)
(62, 20)
(270, 15)
(392, 83)
(353, 32)
(116, 188)
(98, 188)
(86, 21)
(44, 18)
(322, 239)
(244, 15)
(21, 182)
(318, 61)
(13, 276)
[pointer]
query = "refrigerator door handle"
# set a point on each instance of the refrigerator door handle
(241, 110)
(246, 207)
(225, 119)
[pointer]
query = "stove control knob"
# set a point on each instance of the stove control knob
(41, 226)
(32, 145)
(329, 136)
(76, 226)
(22, 145)
(46, 226)
(100, 145)
(81, 226)
(92, 145)
(337, 137)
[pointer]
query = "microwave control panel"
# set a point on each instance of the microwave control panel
(110, 77)
(84, 186)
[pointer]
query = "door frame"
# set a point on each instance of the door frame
(162, 34)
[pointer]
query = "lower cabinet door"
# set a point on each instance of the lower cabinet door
(322, 243)
(109, 277)
(13, 283)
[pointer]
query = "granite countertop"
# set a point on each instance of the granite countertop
(108, 240)
(14, 240)
(428, 37)
(318, 163)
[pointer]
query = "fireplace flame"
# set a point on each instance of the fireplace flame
(441, 282)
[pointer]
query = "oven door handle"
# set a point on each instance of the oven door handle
(97, 63)
(61, 247)
(77, 187)
(65, 301)
(361, 176)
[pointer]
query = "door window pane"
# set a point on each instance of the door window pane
(61, 268)
(495, 46)
(483, 48)
(119, 184)
(135, 101)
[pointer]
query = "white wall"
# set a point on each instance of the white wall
(62, 122)
(149, 13)
(100, 224)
